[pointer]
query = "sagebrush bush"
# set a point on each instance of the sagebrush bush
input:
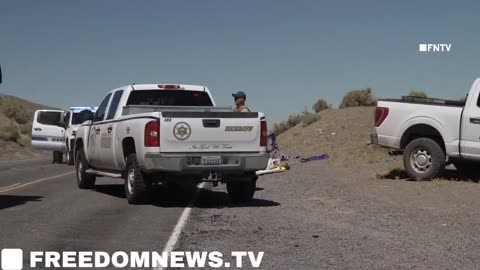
(321, 105)
(358, 98)
(309, 118)
(294, 119)
(279, 128)
(9, 133)
(414, 93)
(17, 113)
(26, 128)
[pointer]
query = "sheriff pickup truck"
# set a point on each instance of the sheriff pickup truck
(171, 134)
(431, 133)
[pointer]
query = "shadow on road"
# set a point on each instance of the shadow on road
(448, 174)
(7, 201)
(164, 197)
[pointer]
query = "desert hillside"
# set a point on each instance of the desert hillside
(16, 117)
(343, 134)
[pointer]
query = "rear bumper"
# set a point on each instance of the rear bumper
(385, 141)
(235, 163)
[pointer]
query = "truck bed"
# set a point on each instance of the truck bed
(427, 101)
(137, 109)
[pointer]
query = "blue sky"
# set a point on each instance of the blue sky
(283, 54)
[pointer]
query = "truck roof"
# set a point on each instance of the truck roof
(187, 87)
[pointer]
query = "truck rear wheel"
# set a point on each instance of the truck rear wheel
(241, 191)
(424, 159)
(138, 187)
(84, 179)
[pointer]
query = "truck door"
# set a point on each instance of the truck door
(109, 146)
(470, 141)
(47, 130)
(95, 134)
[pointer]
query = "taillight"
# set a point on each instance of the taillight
(152, 133)
(263, 133)
(380, 115)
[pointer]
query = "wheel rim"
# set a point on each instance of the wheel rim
(130, 180)
(79, 170)
(421, 160)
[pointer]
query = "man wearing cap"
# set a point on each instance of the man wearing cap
(240, 98)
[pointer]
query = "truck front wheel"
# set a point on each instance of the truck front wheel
(241, 191)
(84, 179)
(424, 159)
(138, 187)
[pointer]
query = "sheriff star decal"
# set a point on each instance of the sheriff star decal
(182, 131)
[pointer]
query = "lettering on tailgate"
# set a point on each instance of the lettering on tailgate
(238, 128)
(221, 146)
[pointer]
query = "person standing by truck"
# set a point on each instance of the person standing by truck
(240, 98)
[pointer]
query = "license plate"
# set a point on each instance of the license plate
(211, 160)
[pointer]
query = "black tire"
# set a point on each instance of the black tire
(57, 157)
(138, 187)
(424, 159)
(241, 191)
(70, 158)
(84, 180)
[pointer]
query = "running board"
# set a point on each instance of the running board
(107, 174)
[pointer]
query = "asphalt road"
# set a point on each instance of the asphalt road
(315, 216)
(42, 209)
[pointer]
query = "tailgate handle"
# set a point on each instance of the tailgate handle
(211, 123)
(475, 120)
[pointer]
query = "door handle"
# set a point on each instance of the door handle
(37, 129)
(475, 121)
(109, 129)
(97, 130)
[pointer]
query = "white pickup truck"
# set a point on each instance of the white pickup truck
(171, 134)
(432, 133)
(54, 130)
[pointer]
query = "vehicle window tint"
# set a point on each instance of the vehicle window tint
(100, 114)
(169, 98)
(49, 118)
(80, 117)
(114, 104)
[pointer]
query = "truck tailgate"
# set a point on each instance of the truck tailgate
(209, 132)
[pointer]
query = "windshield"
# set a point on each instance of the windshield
(169, 98)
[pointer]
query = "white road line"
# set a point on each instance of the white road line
(35, 181)
(182, 221)
(10, 186)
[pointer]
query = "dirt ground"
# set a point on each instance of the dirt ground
(319, 216)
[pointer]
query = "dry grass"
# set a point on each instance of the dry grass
(16, 117)
(344, 134)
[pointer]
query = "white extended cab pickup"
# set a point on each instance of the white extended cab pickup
(431, 133)
(171, 134)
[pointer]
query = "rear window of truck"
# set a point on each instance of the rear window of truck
(49, 118)
(169, 98)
